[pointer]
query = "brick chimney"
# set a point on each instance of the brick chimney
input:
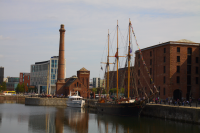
(61, 62)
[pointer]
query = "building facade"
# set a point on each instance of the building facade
(12, 83)
(1, 74)
(96, 82)
(43, 72)
(174, 68)
(24, 78)
(79, 83)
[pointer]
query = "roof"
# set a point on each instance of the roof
(42, 62)
(70, 81)
(179, 42)
(185, 40)
(83, 69)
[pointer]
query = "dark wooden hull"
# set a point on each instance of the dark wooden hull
(123, 109)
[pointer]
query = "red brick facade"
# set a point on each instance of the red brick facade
(79, 83)
(169, 64)
(24, 78)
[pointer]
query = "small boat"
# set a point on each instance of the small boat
(75, 101)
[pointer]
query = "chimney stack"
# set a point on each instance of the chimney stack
(61, 62)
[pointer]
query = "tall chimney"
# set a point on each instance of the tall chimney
(61, 62)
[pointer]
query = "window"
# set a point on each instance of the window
(164, 79)
(197, 60)
(178, 79)
(55, 63)
(197, 80)
(197, 70)
(138, 72)
(178, 69)
(150, 71)
(138, 56)
(150, 81)
(164, 50)
(28, 77)
(188, 69)
(189, 60)
(138, 82)
(150, 61)
(178, 58)
(52, 63)
(178, 49)
(138, 63)
(163, 91)
(188, 80)
(164, 59)
(189, 51)
(51, 70)
(150, 53)
(164, 69)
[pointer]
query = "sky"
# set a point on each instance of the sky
(29, 30)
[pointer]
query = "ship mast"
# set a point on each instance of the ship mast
(129, 57)
(107, 89)
(117, 59)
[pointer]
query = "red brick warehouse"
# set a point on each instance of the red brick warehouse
(174, 67)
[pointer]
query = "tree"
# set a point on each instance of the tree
(3, 86)
(20, 88)
(94, 90)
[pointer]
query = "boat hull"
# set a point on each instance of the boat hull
(123, 109)
(77, 104)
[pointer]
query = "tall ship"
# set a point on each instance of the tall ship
(123, 106)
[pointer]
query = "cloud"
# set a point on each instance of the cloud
(5, 38)
(1, 56)
(36, 23)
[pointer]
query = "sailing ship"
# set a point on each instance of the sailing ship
(121, 107)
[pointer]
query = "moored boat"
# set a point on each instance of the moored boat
(75, 101)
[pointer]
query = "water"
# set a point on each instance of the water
(18, 118)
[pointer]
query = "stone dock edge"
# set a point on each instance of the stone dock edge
(170, 112)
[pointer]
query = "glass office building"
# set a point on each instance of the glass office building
(43, 71)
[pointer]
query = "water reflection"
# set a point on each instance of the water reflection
(43, 119)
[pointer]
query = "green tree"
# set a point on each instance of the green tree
(3, 86)
(20, 88)
(94, 90)
(111, 91)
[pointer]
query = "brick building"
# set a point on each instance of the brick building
(174, 67)
(79, 83)
(24, 78)
(122, 80)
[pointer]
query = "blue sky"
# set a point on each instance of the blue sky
(29, 29)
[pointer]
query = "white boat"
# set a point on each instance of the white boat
(75, 101)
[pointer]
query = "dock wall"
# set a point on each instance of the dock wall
(184, 114)
(46, 101)
(3, 97)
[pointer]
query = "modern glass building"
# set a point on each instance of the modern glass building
(41, 72)
(96, 82)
